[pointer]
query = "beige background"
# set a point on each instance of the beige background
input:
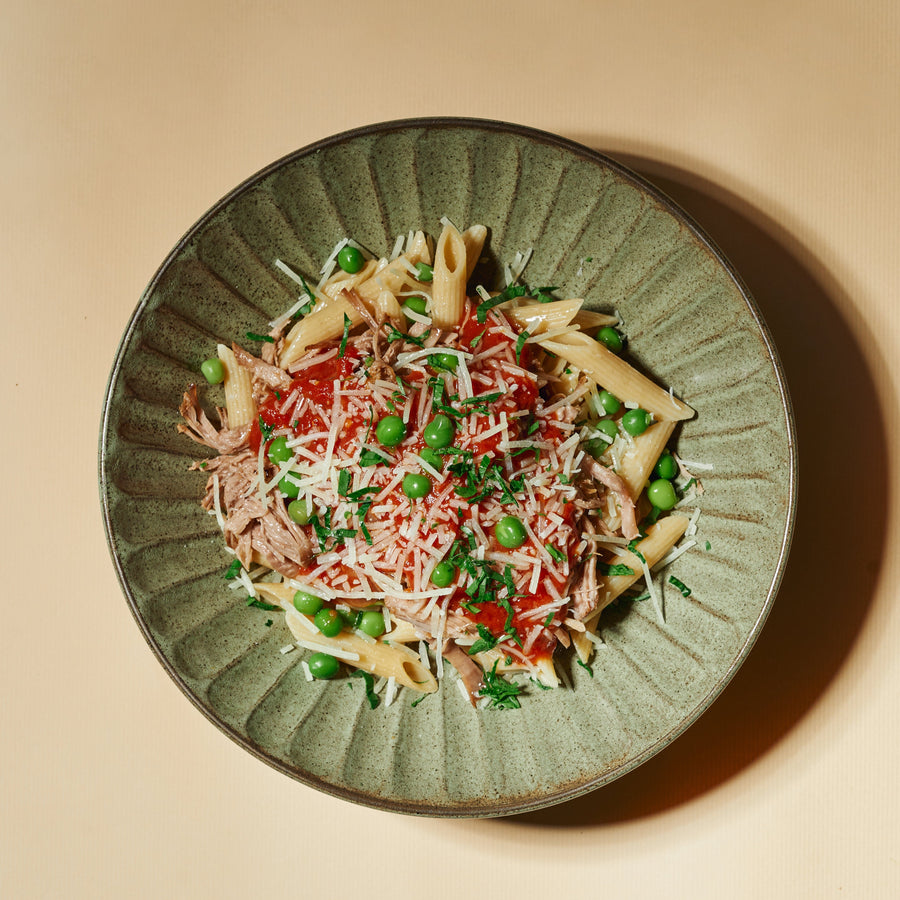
(777, 124)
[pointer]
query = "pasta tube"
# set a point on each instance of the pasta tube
(238, 389)
(614, 374)
(389, 660)
(448, 291)
(661, 538)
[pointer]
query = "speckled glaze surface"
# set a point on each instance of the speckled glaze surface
(597, 231)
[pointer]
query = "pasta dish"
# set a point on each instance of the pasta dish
(417, 475)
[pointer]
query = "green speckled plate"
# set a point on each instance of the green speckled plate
(598, 231)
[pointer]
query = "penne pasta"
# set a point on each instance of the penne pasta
(661, 538)
(473, 238)
(614, 374)
(324, 323)
(388, 660)
(238, 389)
(453, 478)
(636, 464)
(448, 290)
(538, 318)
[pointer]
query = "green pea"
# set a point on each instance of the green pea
(306, 603)
(371, 622)
(213, 370)
(636, 421)
(390, 431)
(610, 338)
(433, 458)
(439, 432)
(448, 361)
(661, 494)
(289, 485)
(279, 452)
(416, 486)
(300, 511)
(666, 467)
(425, 272)
(417, 305)
(350, 259)
(443, 574)
(609, 428)
(609, 402)
(328, 622)
(323, 665)
(510, 532)
(596, 447)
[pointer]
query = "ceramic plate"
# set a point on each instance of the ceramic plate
(598, 232)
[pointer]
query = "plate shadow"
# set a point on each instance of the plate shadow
(828, 588)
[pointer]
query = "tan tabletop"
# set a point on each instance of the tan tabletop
(776, 124)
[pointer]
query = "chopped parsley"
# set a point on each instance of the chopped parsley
(261, 604)
(369, 681)
(233, 570)
(586, 667)
(253, 336)
(310, 303)
(502, 694)
(514, 290)
(370, 458)
(608, 569)
(520, 344)
(486, 641)
(557, 554)
(265, 429)
(343, 348)
(685, 590)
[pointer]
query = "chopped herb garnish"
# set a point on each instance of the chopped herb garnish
(514, 290)
(303, 310)
(394, 335)
(253, 336)
(233, 570)
(586, 667)
(503, 694)
(520, 343)
(366, 534)
(549, 618)
(541, 685)
(265, 429)
(486, 641)
(343, 348)
(369, 681)
(260, 604)
(418, 700)
(607, 569)
(545, 294)
(344, 481)
(555, 552)
(685, 590)
(370, 458)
